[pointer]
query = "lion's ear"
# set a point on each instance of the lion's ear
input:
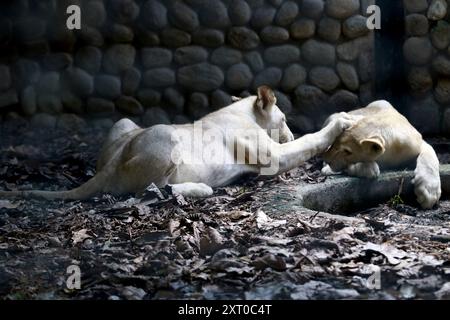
(266, 99)
(374, 145)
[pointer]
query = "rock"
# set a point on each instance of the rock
(329, 29)
(424, 115)
(108, 86)
(319, 53)
(414, 6)
(312, 8)
(175, 38)
(209, 38)
(416, 25)
(26, 72)
(270, 77)
(129, 105)
(239, 12)
(43, 121)
(5, 77)
(29, 28)
(420, 80)
(103, 124)
(154, 116)
(181, 119)
(442, 91)
(446, 122)
(100, 106)
(120, 33)
(351, 50)
(239, 77)
(220, 99)
(301, 124)
(254, 60)
(214, 14)
(147, 38)
(303, 29)
(183, 17)
(156, 57)
(154, 15)
(417, 51)
(342, 9)
(49, 103)
(175, 100)
(441, 65)
(149, 97)
(366, 66)
(72, 103)
(94, 13)
(79, 81)
(283, 102)
(89, 58)
(70, 122)
(274, 35)
(190, 55)
(91, 37)
(125, 11)
(198, 105)
(159, 78)
(355, 27)
(309, 100)
(131, 80)
(57, 61)
(440, 35)
(286, 14)
(437, 10)
(225, 57)
(118, 58)
(49, 83)
(324, 78)
(262, 17)
(28, 101)
(282, 55)
(344, 100)
(293, 76)
(201, 77)
(243, 38)
(348, 75)
(366, 93)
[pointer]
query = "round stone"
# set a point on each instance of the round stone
(310, 100)
(81, 82)
(303, 29)
(243, 38)
(254, 60)
(312, 8)
(70, 122)
(28, 101)
(344, 100)
(120, 33)
(324, 78)
(437, 10)
(89, 58)
(209, 38)
(198, 105)
(149, 97)
(348, 75)
(286, 14)
(440, 35)
(239, 12)
(201, 77)
(57, 61)
(49, 83)
(319, 53)
(274, 35)
(8, 98)
(417, 51)
(342, 9)
(416, 25)
(183, 17)
(154, 15)
(350, 50)
(155, 57)
(26, 72)
(91, 37)
(355, 27)
(329, 29)
(214, 14)
(419, 79)
(159, 78)
(415, 5)
(175, 38)
(49, 103)
(108, 86)
(441, 65)
(263, 17)
(118, 58)
(428, 106)
(129, 105)
(71, 102)
(239, 77)
(293, 76)
(190, 55)
(174, 99)
(270, 77)
(154, 116)
(43, 121)
(366, 66)
(226, 57)
(29, 28)
(282, 55)
(99, 106)
(131, 80)
(94, 13)
(283, 102)
(147, 37)
(124, 11)
(442, 91)
(5, 77)
(220, 99)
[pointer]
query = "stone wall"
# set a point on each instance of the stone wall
(161, 61)
(426, 51)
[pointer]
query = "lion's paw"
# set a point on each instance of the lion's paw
(427, 188)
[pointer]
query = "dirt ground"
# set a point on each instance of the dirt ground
(242, 243)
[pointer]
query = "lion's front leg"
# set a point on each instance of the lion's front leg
(427, 182)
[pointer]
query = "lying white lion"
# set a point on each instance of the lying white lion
(382, 137)
(212, 152)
